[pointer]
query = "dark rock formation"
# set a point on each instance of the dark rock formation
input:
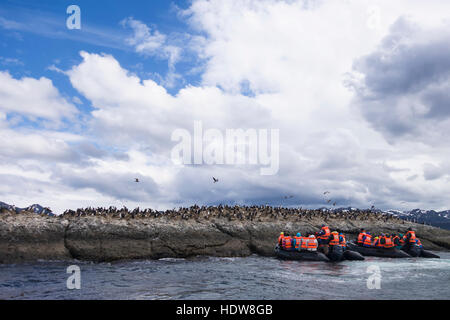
(27, 236)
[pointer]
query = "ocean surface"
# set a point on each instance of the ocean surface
(251, 277)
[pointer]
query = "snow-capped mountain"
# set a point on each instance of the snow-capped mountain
(435, 218)
(36, 208)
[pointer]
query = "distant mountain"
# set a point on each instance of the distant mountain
(36, 208)
(434, 218)
(439, 219)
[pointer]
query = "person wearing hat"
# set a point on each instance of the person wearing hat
(297, 241)
(280, 239)
(312, 244)
(375, 241)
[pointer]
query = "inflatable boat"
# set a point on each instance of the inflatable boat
(300, 255)
(378, 252)
(334, 255)
(416, 251)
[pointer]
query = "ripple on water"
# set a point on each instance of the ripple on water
(229, 278)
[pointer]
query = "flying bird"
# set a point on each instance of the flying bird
(215, 180)
(326, 192)
(136, 180)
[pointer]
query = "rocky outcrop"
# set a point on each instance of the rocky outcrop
(28, 236)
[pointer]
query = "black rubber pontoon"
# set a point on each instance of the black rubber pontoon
(353, 255)
(300, 255)
(378, 252)
(416, 251)
(428, 254)
(413, 251)
(336, 253)
(340, 254)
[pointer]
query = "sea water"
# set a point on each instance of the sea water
(251, 277)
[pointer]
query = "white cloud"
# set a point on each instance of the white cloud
(77, 100)
(33, 98)
(144, 40)
(153, 43)
(142, 112)
(264, 64)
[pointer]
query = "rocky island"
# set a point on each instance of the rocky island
(116, 234)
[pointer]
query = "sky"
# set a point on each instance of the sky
(358, 91)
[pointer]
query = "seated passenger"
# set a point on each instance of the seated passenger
(362, 234)
(419, 243)
(333, 240)
(388, 243)
(410, 237)
(312, 243)
(342, 240)
(396, 241)
(297, 241)
(376, 242)
(280, 239)
(287, 243)
(367, 240)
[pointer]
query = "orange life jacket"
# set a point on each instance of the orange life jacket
(298, 240)
(343, 242)
(304, 243)
(368, 240)
(280, 239)
(287, 242)
(335, 240)
(402, 240)
(377, 243)
(327, 233)
(395, 238)
(312, 243)
(412, 238)
(388, 242)
(360, 237)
